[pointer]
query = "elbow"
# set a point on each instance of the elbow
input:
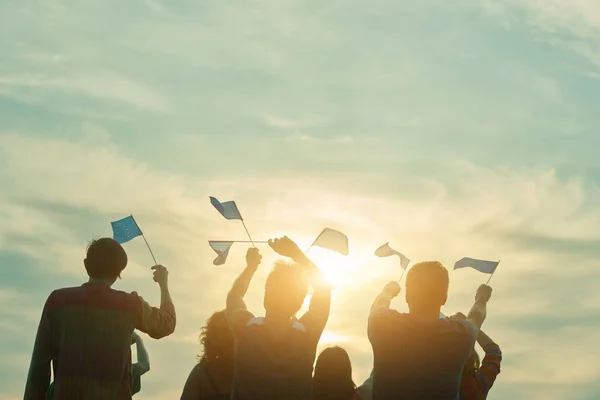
(144, 367)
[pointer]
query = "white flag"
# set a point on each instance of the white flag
(332, 240)
(386, 251)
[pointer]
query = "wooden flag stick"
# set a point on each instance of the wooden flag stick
(488, 281)
(249, 237)
(144, 237)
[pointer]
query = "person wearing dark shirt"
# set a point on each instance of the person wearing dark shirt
(418, 355)
(274, 355)
(212, 376)
(479, 377)
(333, 376)
(137, 369)
(85, 332)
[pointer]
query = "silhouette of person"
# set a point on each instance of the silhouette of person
(85, 331)
(212, 376)
(418, 355)
(332, 379)
(274, 355)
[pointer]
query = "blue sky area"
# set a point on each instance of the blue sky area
(450, 128)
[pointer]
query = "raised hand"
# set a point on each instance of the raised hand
(285, 247)
(253, 257)
(393, 288)
(483, 295)
(161, 275)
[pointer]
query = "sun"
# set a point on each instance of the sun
(339, 270)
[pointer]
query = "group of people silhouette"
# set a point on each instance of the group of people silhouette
(85, 335)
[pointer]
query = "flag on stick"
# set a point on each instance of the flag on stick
(487, 267)
(126, 229)
(228, 209)
(332, 240)
(222, 250)
(386, 251)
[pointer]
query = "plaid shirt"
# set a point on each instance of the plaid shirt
(478, 385)
(85, 332)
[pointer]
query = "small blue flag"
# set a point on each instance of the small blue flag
(222, 250)
(487, 267)
(125, 229)
(227, 209)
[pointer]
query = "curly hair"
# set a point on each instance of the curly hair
(217, 341)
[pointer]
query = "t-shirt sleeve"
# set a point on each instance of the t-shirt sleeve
(156, 322)
(490, 368)
(136, 378)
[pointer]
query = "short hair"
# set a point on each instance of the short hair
(105, 259)
(427, 282)
(286, 288)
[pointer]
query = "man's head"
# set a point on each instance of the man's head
(285, 289)
(105, 259)
(427, 287)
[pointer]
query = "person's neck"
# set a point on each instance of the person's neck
(425, 312)
(106, 282)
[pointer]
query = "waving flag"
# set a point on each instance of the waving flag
(222, 250)
(386, 251)
(125, 229)
(332, 240)
(227, 209)
(487, 267)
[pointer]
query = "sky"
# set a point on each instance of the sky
(450, 129)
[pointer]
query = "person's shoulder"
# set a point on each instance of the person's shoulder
(463, 328)
(60, 296)
(386, 313)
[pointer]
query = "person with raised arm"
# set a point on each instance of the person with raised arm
(274, 355)
(85, 332)
(418, 355)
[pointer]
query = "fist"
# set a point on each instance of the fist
(285, 247)
(458, 317)
(392, 288)
(253, 257)
(161, 274)
(484, 293)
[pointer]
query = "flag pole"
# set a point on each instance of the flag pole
(313, 243)
(488, 281)
(248, 233)
(401, 276)
(144, 237)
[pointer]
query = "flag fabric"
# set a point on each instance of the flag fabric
(125, 229)
(227, 209)
(487, 267)
(386, 251)
(332, 240)
(222, 250)
(442, 316)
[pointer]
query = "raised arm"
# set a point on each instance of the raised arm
(484, 340)
(384, 299)
(158, 322)
(237, 313)
(38, 378)
(143, 359)
(320, 303)
(490, 365)
(479, 310)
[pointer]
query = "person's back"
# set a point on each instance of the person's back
(85, 331)
(274, 355)
(418, 358)
(418, 355)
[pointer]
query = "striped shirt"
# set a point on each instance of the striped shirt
(478, 385)
(416, 358)
(85, 332)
